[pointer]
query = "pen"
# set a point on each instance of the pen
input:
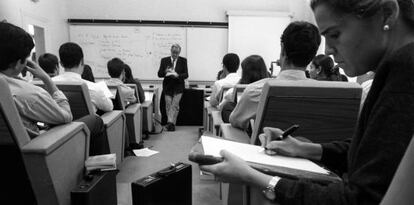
(289, 131)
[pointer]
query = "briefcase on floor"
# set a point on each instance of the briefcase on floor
(98, 188)
(172, 186)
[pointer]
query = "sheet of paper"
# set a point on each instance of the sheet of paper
(148, 96)
(255, 154)
(145, 152)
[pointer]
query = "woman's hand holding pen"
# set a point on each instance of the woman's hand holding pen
(273, 143)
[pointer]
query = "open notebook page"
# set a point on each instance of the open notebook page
(255, 154)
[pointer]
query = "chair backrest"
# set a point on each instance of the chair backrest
(13, 136)
(119, 101)
(79, 98)
(401, 188)
(237, 91)
(324, 110)
(134, 87)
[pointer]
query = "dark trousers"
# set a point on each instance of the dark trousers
(98, 143)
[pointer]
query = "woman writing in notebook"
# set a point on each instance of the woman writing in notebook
(368, 35)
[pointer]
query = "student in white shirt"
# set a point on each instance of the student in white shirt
(116, 69)
(231, 63)
(71, 58)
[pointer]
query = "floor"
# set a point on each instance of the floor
(173, 147)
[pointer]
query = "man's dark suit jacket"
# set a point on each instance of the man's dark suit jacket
(173, 85)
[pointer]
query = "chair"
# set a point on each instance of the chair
(133, 113)
(150, 107)
(213, 124)
(81, 105)
(49, 165)
(401, 188)
(321, 108)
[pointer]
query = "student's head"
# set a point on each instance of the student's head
(300, 42)
(360, 34)
(253, 69)
(116, 68)
(322, 68)
(71, 56)
(231, 62)
(175, 50)
(15, 47)
(49, 63)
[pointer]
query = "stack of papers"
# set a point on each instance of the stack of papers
(256, 154)
(104, 162)
(146, 152)
(148, 96)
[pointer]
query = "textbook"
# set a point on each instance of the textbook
(276, 165)
(104, 162)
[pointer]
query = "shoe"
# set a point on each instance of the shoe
(172, 127)
(168, 126)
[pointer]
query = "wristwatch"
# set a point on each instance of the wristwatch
(269, 192)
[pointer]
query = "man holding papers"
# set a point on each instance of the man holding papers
(362, 36)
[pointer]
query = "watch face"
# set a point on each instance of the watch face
(270, 194)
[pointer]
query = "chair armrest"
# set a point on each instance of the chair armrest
(133, 108)
(54, 138)
(147, 103)
(110, 117)
(231, 133)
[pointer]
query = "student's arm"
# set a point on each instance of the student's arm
(42, 107)
(129, 94)
(215, 91)
(99, 99)
(245, 109)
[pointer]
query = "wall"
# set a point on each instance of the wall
(49, 14)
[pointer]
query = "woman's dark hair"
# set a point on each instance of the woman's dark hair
(253, 69)
(129, 78)
(48, 62)
(326, 64)
(87, 73)
(300, 42)
(15, 44)
(367, 8)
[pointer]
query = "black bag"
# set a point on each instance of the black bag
(96, 188)
(172, 185)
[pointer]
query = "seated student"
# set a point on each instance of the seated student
(362, 36)
(87, 73)
(253, 69)
(34, 103)
(49, 63)
(300, 41)
(322, 68)
(71, 58)
(231, 63)
(129, 78)
(116, 69)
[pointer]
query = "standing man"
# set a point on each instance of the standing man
(174, 70)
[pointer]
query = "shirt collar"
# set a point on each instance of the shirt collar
(71, 75)
(292, 75)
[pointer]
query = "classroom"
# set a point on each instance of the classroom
(140, 102)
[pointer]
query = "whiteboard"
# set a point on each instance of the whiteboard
(140, 47)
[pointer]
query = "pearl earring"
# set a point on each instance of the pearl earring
(386, 28)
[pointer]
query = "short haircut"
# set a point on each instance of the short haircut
(70, 55)
(176, 45)
(115, 67)
(15, 44)
(300, 42)
(231, 61)
(48, 62)
(253, 69)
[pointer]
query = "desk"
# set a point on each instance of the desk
(191, 108)
(149, 114)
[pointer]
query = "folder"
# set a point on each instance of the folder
(282, 166)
